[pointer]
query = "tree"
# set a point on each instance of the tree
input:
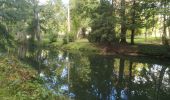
(52, 18)
(123, 22)
(12, 13)
(34, 26)
(165, 10)
(103, 24)
(81, 15)
(133, 22)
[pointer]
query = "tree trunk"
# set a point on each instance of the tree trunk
(164, 36)
(113, 9)
(68, 22)
(132, 36)
(37, 27)
(133, 23)
(123, 22)
(155, 32)
(146, 31)
(154, 27)
(169, 31)
(36, 19)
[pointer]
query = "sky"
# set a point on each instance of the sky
(44, 1)
(65, 1)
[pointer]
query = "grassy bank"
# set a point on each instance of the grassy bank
(18, 81)
(156, 50)
(81, 45)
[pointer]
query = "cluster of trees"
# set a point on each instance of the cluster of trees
(115, 20)
(24, 20)
(109, 21)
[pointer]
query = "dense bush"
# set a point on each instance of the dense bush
(71, 38)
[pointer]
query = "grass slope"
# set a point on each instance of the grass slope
(18, 81)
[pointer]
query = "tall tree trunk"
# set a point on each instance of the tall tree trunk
(132, 36)
(68, 18)
(155, 32)
(169, 31)
(154, 27)
(133, 22)
(169, 23)
(146, 31)
(123, 22)
(68, 22)
(164, 36)
(113, 9)
(36, 19)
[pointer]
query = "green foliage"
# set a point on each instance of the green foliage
(65, 40)
(16, 10)
(11, 13)
(81, 11)
(53, 16)
(6, 41)
(71, 37)
(53, 38)
(103, 24)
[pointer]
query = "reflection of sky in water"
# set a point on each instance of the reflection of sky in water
(156, 68)
(113, 94)
(51, 82)
(64, 73)
(139, 80)
(64, 87)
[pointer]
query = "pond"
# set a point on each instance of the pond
(87, 76)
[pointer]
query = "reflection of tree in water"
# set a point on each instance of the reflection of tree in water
(101, 76)
(120, 82)
(95, 77)
(91, 77)
(98, 77)
(79, 76)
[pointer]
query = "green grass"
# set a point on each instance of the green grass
(81, 45)
(150, 40)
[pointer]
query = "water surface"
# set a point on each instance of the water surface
(83, 76)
